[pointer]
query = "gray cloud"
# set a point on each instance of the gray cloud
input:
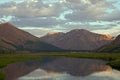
(37, 22)
(82, 10)
(30, 9)
(118, 22)
(89, 10)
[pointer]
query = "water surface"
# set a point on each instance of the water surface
(39, 74)
(61, 68)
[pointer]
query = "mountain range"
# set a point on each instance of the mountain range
(12, 38)
(77, 39)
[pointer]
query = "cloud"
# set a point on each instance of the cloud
(61, 15)
(114, 16)
(31, 8)
(92, 26)
(89, 10)
(41, 74)
(81, 10)
(37, 22)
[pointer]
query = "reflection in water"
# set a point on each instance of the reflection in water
(40, 74)
(56, 67)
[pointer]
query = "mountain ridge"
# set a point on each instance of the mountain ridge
(7, 30)
(12, 38)
(77, 39)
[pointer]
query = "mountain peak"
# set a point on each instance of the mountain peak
(6, 26)
(79, 31)
(77, 39)
(12, 38)
(82, 30)
(13, 34)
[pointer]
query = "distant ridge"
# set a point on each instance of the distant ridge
(77, 39)
(114, 46)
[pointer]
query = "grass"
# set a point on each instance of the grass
(113, 59)
(6, 59)
(2, 76)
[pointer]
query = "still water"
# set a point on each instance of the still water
(61, 68)
(39, 74)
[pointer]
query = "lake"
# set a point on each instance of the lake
(61, 68)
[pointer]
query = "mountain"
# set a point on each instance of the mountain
(12, 38)
(78, 39)
(114, 46)
(5, 45)
(14, 35)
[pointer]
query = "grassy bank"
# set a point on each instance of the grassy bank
(5, 59)
(2, 75)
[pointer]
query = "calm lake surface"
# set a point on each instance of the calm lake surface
(61, 68)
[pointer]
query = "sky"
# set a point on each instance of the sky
(42, 16)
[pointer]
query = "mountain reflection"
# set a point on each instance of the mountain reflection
(51, 68)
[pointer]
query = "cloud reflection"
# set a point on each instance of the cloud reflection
(40, 74)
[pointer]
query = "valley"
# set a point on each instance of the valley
(62, 55)
(59, 39)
